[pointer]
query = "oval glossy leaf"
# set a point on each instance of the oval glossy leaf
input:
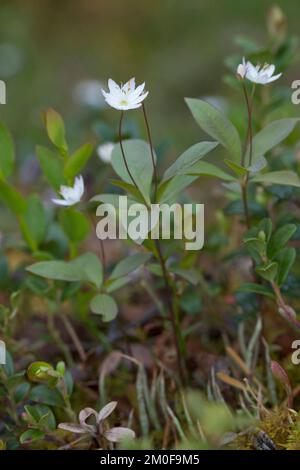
(285, 260)
(31, 435)
(217, 125)
(47, 396)
(104, 305)
(279, 239)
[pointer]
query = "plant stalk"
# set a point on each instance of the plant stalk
(123, 153)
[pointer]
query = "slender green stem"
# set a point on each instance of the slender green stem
(123, 153)
(174, 317)
(249, 137)
(244, 189)
(152, 152)
(173, 310)
(248, 144)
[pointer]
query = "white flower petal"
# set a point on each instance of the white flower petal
(79, 187)
(112, 85)
(71, 195)
(269, 70)
(125, 97)
(275, 77)
(105, 151)
(63, 202)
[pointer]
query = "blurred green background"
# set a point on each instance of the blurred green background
(53, 51)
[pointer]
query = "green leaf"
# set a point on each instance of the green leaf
(35, 219)
(77, 161)
(272, 135)
(56, 129)
(74, 224)
(31, 435)
(7, 152)
(39, 371)
(115, 284)
(267, 271)
(239, 170)
(216, 124)
(48, 421)
(266, 226)
(279, 239)
(84, 268)
(57, 270)
(209, 169)
(128, 188)
(21, 391)
(112, 199)
(47, 396)
(278, 177)
(52, 166)
(129, 264)
(91, 268)
(176, 185)
(138, 157)
(188, 159)
(256, 289)
(191, 275)
(12, 198)
(285, 260)
(104, 305)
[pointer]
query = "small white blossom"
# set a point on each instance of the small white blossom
(126, 96)
(105, 151)
(71, 194)
(242, 69)
(257, 74)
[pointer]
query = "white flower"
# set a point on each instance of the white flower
(125, 96)
(242, 69)
(257, 74)
(105, 151)
(71, 195)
